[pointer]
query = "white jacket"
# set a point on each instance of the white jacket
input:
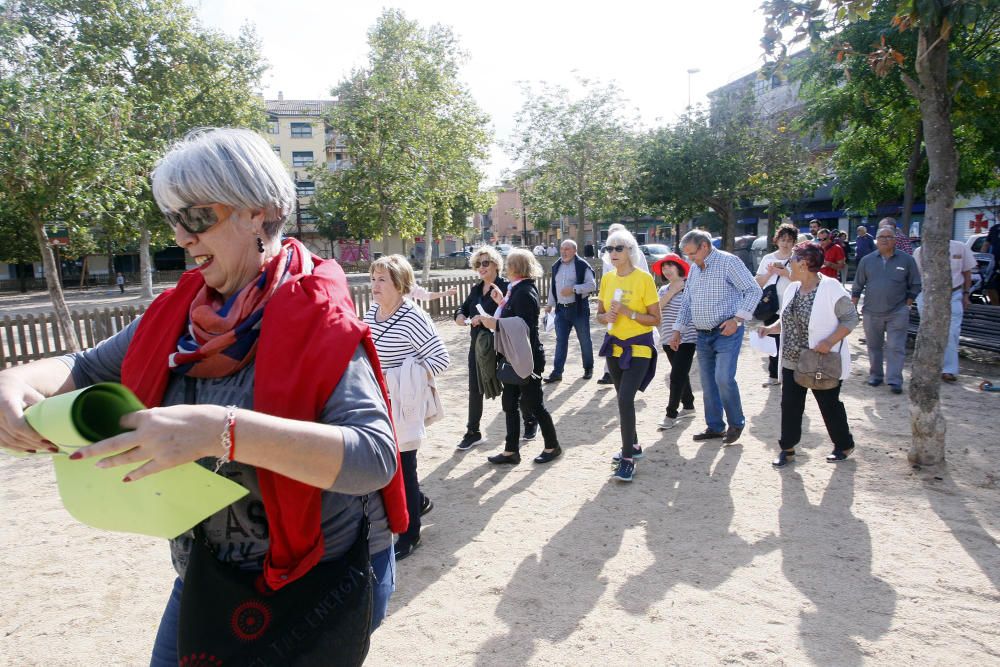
(415, 402)
(822, 320)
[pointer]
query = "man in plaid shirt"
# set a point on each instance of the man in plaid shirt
(720, 296)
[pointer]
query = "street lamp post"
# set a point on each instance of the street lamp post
(693, 70)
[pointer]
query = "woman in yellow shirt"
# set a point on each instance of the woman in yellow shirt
(628, 303)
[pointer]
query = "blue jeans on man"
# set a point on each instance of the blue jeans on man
(717, 357)
(568, 318)
(950, 362)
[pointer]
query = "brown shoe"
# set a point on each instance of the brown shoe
(948, 377)
(733, 434)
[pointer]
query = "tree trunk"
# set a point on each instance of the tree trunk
(910, 178)
(145, 266)
(428, 248)
(385, 230)
(927, 422)
(52, 280)
(581, 221)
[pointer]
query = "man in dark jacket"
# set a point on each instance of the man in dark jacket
(571, 284)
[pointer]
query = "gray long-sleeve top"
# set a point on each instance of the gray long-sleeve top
(240, 531)
(887, 282)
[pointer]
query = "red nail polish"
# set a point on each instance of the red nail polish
(54, 449)
(30, 451)
(127, 479)
(76, 456)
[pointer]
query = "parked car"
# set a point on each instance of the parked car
(460, 253)
(504, 249)
(654, 251)
(975, 242)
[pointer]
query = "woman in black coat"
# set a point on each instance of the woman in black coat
(488, 263)
(522, 301)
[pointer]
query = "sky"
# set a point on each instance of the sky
(645, 46)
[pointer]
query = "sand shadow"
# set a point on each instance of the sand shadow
(595, 536)
(827, 555)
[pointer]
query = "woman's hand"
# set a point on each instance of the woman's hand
(460, 320)
(618, 308)
(496, 293)
(824, 346)
(762, 332)
(606, 318)
(488, 322)
(15, 434)
(163, 437)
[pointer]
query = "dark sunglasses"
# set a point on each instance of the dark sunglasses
(196, 218)
(617, 248)
(484, 263)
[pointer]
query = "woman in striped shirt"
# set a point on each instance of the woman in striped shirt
(401, 330)
(674, 271)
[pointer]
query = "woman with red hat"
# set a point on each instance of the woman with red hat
(674, 271)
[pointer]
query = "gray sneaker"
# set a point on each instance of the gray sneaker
(670, 422)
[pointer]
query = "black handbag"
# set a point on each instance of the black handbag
(767, 307)
(507, 375)
(231, 617)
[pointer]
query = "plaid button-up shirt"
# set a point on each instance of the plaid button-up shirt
(723, 289)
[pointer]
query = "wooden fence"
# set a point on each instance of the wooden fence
(24, 338)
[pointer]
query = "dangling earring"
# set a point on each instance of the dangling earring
(260, 245)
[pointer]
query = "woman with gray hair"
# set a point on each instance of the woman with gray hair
(816, 313)
(628, 302)
(259, 343)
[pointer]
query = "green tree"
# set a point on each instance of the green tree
(172, 74)
(716, 162)
(875, 123)
(576, 154)
(934, 83)
(415, 137)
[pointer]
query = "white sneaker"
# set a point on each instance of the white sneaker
(668, 422)
(771, 382)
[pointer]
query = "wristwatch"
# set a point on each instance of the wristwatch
(633, 315)
(739, 320)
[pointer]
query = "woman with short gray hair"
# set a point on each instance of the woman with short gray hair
(260, 343)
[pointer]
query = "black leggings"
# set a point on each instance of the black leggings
(527, 399)
(680, 380)
(476, 398)
(627, 383)
(414, 497)
(793, 404)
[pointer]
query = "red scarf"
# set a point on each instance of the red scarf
(307, 339)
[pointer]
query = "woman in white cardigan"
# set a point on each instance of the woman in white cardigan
(816, 313)
(410, 353)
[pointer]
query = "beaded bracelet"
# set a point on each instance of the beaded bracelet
(228, 438)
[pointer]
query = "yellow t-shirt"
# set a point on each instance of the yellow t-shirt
(638, 293)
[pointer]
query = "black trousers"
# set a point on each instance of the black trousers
(414, 498)
(526, 398)
(627, 383)
(476, 399)
(680, 377)
(793, 404)
(772, 362)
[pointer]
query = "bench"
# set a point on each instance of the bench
(980, 327)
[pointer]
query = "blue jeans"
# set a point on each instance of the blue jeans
(950, 362)
(567, 319)
(717, 357)
(165, 645)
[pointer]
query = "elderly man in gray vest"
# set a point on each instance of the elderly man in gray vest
(572, 282)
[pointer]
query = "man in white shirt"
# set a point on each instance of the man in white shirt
(962, 263)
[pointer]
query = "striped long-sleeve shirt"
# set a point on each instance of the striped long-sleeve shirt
(409, 332)
(723, 289)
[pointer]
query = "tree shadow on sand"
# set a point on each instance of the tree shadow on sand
(679, 498)
(827, 556)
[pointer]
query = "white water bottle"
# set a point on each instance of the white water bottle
(616, 297)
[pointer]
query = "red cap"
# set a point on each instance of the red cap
(657, 268)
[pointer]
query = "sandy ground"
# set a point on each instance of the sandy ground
(709, 557)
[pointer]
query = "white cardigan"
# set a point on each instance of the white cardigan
(415, 402)
(823, 319)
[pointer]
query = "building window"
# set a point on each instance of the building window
(302, 130)
(272, 126)
(306, 215)
(277, 150)
(302, 158)
(305, 188)
(338, 156)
